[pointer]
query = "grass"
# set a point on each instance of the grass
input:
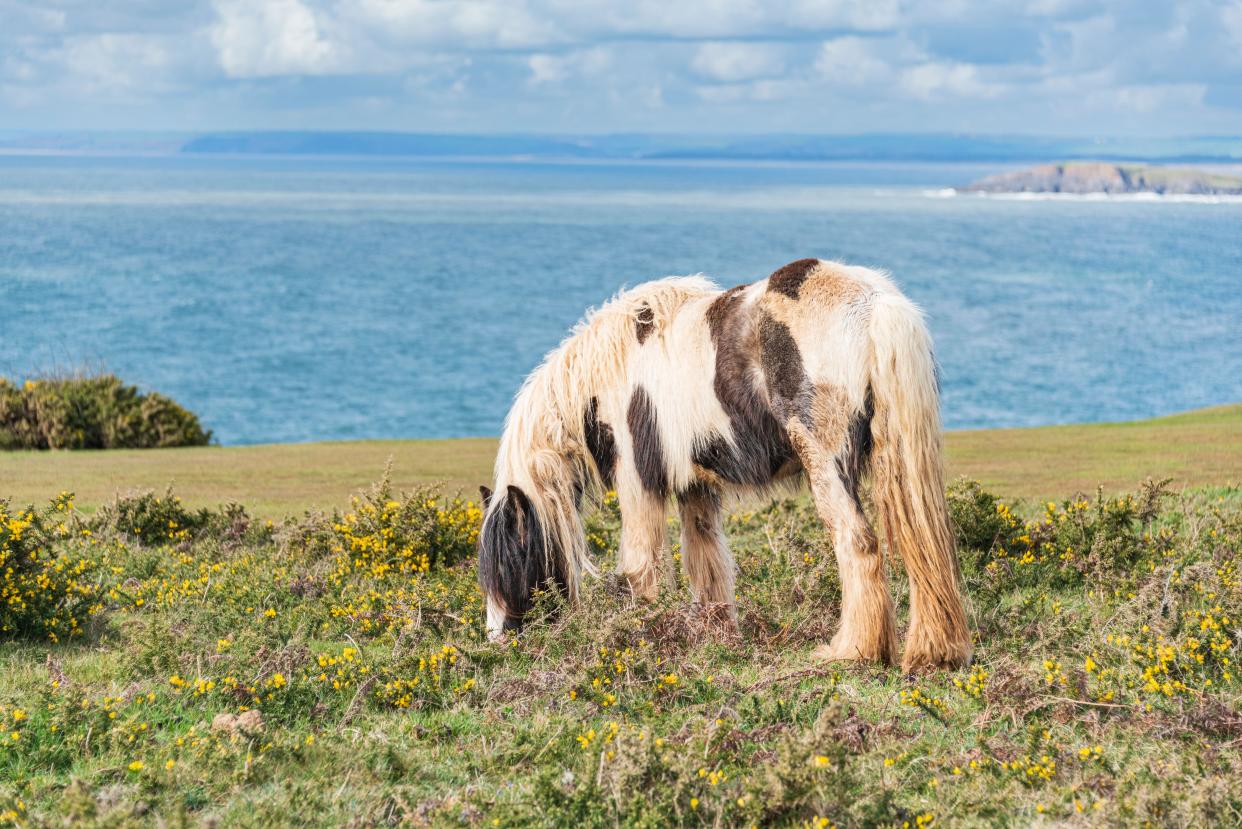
(165, 666)
(271, 481)
(1195, 448)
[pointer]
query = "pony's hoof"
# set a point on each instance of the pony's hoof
(848, 650)
(916, 663)
(833, 652)
(642, 587)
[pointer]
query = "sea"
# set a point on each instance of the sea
(289, 299)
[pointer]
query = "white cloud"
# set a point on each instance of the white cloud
(934, 81)
(547, 69)
(865, 15)
(760, 91)
(20, 16)
(263, 38)
(453, 24)
(850, 62)
(1150, 98)
(1066, 65)
(896, 68)
(1231, 18)
(730, 61)
(555, 69)
(116, 62)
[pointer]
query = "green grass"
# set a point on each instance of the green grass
(1196, 448)
(271, 481)
(1104, 690)
(1104, 687)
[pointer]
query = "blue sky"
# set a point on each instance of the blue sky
(1066, 67)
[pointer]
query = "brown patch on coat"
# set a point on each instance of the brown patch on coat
(759, 447)
(831, 286)
(601, 442)
(788, 279)
(648, 449)
(706, 475)
(644, 323)
(781, 359)
(721, 309)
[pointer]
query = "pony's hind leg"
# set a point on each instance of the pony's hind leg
(704, 551)
(868, 628)
(643, 528)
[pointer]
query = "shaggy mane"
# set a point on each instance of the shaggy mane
(543, 449)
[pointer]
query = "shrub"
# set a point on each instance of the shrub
(47, 587)
(150, 519)
(416, 533)
(1077, 541)
(93, 412)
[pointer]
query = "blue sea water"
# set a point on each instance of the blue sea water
(297, 299)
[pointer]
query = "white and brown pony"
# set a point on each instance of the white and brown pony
(678, 390)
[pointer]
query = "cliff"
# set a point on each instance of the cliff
(1102, 177)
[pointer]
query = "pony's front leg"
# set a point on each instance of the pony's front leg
(704, 551)
(643, 517)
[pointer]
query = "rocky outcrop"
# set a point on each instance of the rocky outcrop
(1102, 177)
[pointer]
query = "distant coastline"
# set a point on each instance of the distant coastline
(782, 147)
(1104, 178)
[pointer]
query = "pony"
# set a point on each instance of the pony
(678, 391)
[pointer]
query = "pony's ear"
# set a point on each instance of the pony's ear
(518, 498)
(486, 494)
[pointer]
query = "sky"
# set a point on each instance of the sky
(1053, 67)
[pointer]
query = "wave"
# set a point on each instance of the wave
(1152, 198)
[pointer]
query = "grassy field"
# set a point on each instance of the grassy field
(1194, 448)
(161, 666)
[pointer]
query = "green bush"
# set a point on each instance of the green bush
(385, 533)
(49, 583)
(94, 412)
(1079, 541)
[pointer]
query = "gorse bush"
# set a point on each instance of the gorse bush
(50, 583)
(413, 534)
(94, 412)
(148, 518)
(1074, 542)
(385, 558)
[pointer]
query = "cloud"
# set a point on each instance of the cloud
(116, 63)
(935, 81)
(569, 65)
(901, 68)
(850, 62)
(454, 24)
(264, 38)
(29, 17)
(555, 69)
(737, 61)
(1151, 98)
(1231, 19)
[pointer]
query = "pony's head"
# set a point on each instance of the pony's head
(516, 558)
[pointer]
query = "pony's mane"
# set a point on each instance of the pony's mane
(543, 448)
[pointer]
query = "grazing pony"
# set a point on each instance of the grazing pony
(676, 389)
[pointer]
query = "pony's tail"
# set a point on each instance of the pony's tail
(908, 482)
